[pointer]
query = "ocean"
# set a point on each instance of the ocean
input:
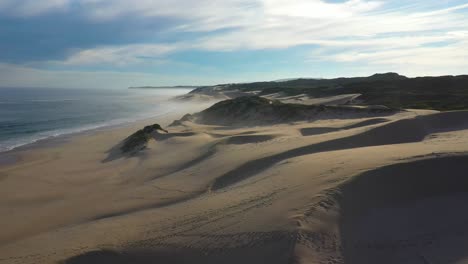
(28, 115)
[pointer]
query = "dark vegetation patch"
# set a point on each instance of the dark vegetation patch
(389, 89)
(138, 140)
(255, 110)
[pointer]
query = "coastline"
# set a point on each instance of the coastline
(26, 116)
(16, 155)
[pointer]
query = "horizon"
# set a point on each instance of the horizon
(182, 86)
(119, 44)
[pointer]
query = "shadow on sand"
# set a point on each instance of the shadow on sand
(411, 212)
(275, 247)
(115, 152)
(402, 131)
(311, 131)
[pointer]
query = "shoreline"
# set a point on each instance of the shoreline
(12, 156)
(15, 155)
(122, 108)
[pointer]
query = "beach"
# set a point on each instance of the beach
(300, 192)
(233, 132)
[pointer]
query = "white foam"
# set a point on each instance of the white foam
(23, 141)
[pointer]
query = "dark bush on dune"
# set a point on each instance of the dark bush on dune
(138, 140)
(186, 117)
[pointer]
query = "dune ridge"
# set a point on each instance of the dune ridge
(402, 131)
(255, 110)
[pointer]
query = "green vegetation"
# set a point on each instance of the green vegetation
(389, 89)
(257, 110)
(138, 140)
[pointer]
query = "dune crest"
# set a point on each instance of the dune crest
(255, 110)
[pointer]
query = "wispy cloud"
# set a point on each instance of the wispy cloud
(407, 36)
(417, 60)
(119, 55)
(32, 7)
(346, 22)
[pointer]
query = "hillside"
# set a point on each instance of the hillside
(163, 87)
(255, 110)
(389, 89)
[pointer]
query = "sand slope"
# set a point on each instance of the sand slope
(366, 190)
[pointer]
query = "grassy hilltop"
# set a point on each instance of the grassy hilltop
(389, 89)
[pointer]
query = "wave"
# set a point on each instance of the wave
(40, 114)
(40, 101)
(15, 143)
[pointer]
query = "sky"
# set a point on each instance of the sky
(122, 43)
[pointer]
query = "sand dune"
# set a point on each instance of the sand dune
(309, 131)
(401, 131)
(255, 111)
(347, 190)
(308, 100)
(416, 209)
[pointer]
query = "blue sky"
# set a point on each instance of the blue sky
(121, 43)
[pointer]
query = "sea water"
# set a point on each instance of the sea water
(31, 114)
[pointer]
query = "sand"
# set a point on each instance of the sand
(368, 190)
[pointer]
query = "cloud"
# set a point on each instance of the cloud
(318, 9)
(445, 10)
(284, 25)
(425, 56)
(32, 7)
(447, 56)
(258, 24)
(424, 36)
(119, 55)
